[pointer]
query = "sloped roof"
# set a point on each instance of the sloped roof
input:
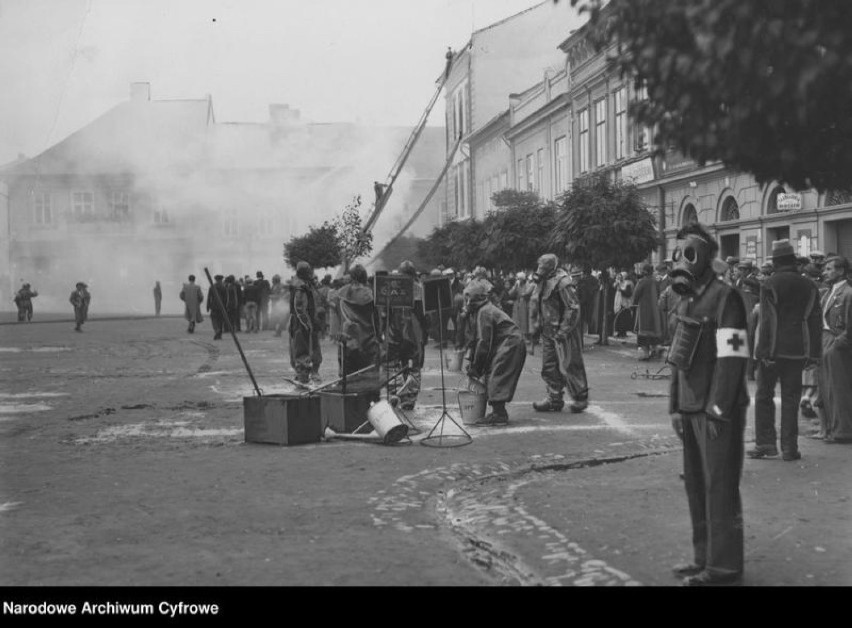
(130, 137)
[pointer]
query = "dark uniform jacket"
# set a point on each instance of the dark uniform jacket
(789, 325)
(715, 382)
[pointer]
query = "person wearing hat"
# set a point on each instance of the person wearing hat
(556, 318)
(233, 301)
(818, 259)
(788, 338)
(731, 270)
(24, 300)
(649, 326)
(192, 297)
(305, 350)
(216, 298)
(766, 270)
(80, 299)
(498, 355)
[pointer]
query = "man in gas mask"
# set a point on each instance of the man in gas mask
(498, 355)
(305, 352)
(556, 317)
(708, 401)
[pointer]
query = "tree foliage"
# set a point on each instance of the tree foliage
(762, 85)
(405, 248)
(318, 247)
(604, 223)
(351, 242)
(517, 232)
(511, 237)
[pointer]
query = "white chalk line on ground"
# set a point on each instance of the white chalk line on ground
(23, 408)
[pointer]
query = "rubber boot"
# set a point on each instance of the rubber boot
(551, 404)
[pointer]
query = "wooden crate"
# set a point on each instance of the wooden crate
(345, 413)
(282, 419)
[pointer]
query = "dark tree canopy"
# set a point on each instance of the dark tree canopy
(318, 247)
(604, 223)
(404, 248)
(765, 86)
(516, 233)
(455, 244)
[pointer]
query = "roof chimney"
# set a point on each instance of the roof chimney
(140, 92)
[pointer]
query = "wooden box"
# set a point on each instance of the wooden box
(345, 413)
(282, 419)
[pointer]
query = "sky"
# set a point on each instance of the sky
(63, 63)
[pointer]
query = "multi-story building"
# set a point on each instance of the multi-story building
(158, 189)
(744, 216)
(498, 60)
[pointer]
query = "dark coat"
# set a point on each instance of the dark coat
(789, 324)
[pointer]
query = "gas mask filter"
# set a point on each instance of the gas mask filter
(691, 261)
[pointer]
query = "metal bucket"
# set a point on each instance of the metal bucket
(385, 421)
(455, 359)
(471, 406)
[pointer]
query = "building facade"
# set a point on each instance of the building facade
(155, 190)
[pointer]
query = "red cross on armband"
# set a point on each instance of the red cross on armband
(731, 343)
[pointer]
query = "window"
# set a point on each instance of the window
(504, 180)
(459, 118)
(600, 132)
(161, 216)
(43, 212)
(530, 172)
(620, 124)
(689, 215)
(643, 133)
(560, 150)
(730, 209)
(772, 205)
(82, 204)
(539, 158)
(521, 186)
(584, 140)
(461, 192)
(119, 205)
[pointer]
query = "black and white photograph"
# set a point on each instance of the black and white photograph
(223, 230)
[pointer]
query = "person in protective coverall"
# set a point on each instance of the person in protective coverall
(359, 323)
(556, 317)
(499, 352)
(305, 352)
(407, 337)
(708, 401)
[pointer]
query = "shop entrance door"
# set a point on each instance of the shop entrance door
(774, 234)
(844, 239)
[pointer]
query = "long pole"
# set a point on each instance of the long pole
(227, 321)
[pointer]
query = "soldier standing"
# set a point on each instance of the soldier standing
(24, 300)
(215, 307)
(708, 401)
(556, 316)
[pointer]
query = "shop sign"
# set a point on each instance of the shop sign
(789, 202)
(751, 248)
(640, 171)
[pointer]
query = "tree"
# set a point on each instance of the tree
(762, 86)
(319, 247)
(405, 248)
(351, 241)
(457, 244)
(517, 232)
(604, 223)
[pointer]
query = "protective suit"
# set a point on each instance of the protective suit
(556, 317)
(305, 351)
(708, 401)
(359, 324)
(499, 353)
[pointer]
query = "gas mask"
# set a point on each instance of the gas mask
(691, 262)
(546, 268)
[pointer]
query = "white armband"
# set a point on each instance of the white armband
(731, 343)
